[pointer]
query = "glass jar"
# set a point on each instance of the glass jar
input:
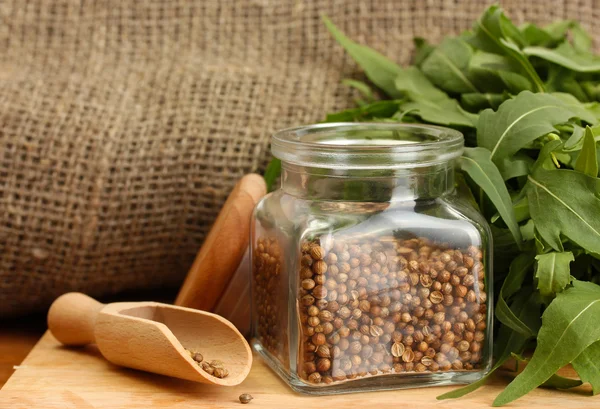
(369, 270)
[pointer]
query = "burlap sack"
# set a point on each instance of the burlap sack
(125, 123)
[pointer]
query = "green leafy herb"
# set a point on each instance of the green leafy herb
(587, 365)
(565, 202)
(272, 173)
(447, 66)
(477, 164)
(520, 121)
(378, 68)
(553, 271)
(568, 328)
(567, 56)
(494, 33)
(587, 162)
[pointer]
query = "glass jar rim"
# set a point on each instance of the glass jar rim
(367, 145)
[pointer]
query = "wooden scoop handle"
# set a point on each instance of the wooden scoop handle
(72, 318)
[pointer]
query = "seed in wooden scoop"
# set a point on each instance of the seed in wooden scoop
(207, 368)
(245, 398)
(216, 363)
(220, 372)
(197, 357)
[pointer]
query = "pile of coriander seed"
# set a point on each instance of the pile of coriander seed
(269, 298)
(215, 367)
(381, 305)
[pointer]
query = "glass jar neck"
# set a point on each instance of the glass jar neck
(368, 185)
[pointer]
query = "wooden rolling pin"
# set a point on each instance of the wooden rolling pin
(224, 247)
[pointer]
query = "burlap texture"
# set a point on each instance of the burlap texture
(125, 123)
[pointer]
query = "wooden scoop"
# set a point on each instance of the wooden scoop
(152, 336)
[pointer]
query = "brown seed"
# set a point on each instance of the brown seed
(457, 365)
(319, 267)
(245, 398)
(319, 291)
(308, 300)
(319, 339)
(206, 367)
(366, 352)
(197, 356)
(444, 276)
(323, 351)
(323, 365)
(375, 331)
(427, 361)
(306, 260)
(220, 372)
(314, 377)
(423, 346)
(326, 316)
(313, 321)
(308, 284)
(216, 363)
(461, 291)
(463, 346)
(317, 252)
(436, 297)
(439, 317)
(408, 355)
(305, 272)
(397, 349)
(468, 280)
(426, 280)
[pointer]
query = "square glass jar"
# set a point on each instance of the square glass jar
(370, 270)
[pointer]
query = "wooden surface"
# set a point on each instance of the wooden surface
(57, 377)
(16, 340)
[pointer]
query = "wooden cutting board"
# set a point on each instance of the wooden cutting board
(53, 376)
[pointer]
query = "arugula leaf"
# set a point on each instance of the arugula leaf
(428, 102)
(363, 88)
(447, 66)
(495, 73)
(519, 268)
(568, 328)
(412, 83)
(581, 39)
(494, 33)
(517, 165)
(567, 56)
(587, 365)
(446, 113)
(478, 101)
(548, 36)
(555, 381)
(520, 121)
(477, 164)
(587, 161)
(560, 382)
(378, 68)
(377, 109)
(561, 79)
(422, 50)
(565, 202)
(553, 271)
(272, 173)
